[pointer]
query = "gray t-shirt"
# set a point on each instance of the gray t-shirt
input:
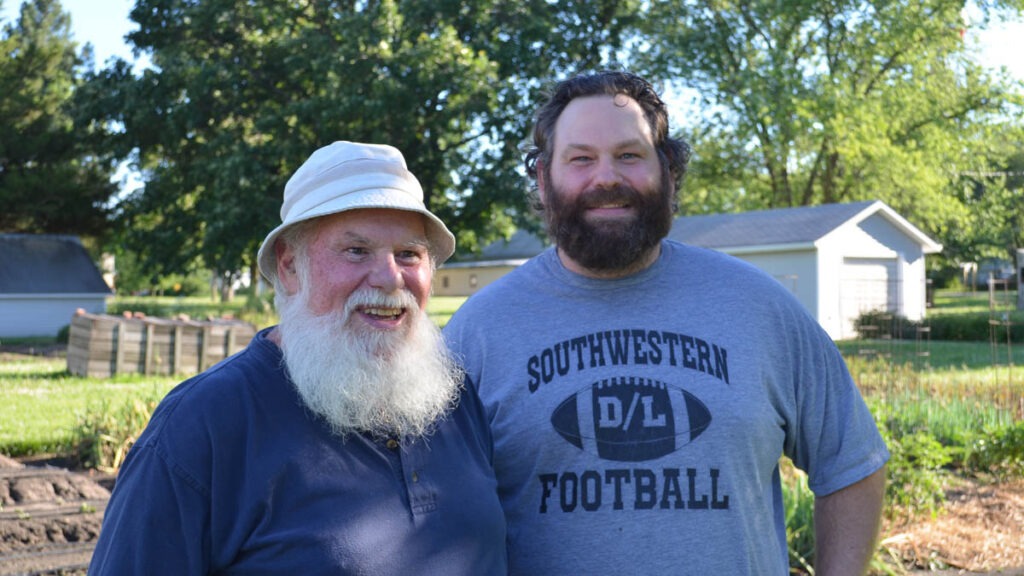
(639, 423)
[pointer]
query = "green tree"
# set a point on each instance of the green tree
(51, 179)
(241, 91)
(815, 102)
(995, 201)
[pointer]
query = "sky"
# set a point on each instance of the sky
(104, 23)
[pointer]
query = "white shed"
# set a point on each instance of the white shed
(839, 260)
(43, 280)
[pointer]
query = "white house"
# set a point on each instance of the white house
(839, 260)
(43, 280)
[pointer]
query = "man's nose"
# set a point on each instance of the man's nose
(386, 274)
(606, 173)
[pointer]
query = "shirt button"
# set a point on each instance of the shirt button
(415, 477)
(392, 444)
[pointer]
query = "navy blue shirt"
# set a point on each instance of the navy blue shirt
(233, 475)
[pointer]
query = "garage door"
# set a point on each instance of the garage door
(867, 284)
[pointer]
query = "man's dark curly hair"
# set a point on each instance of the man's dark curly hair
(674, 154)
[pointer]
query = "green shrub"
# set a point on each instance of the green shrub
(798, 502)
(915, 479)
(957, 327)
(975, 326)
(999, 452)
(104, 436)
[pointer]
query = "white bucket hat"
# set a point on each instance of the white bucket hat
(349, 176)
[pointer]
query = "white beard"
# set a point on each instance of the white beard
(363, 380)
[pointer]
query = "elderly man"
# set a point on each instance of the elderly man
(340, 441)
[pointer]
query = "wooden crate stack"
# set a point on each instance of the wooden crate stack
(102, 345)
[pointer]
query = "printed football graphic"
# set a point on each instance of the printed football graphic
(630, 419)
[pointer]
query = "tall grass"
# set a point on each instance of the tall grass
(104, 435)
(954, 385)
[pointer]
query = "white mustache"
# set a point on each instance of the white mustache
(374, 298)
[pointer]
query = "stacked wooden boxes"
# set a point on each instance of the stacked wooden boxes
(103, 345)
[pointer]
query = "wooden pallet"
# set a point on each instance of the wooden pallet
(102, 345)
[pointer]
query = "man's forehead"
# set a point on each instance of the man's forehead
(587, 120)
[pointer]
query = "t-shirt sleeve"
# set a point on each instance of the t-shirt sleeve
(835, 440)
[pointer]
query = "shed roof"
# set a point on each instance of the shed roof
(521, 244)
(47, 264)
(800, 225)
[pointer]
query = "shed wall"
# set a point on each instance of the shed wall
(28, 315)
(796, 270)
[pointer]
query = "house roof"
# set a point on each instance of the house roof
(789, 227)
(47, 264)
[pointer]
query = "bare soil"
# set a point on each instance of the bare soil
(49, 518)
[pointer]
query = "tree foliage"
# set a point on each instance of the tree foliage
(240, 92)
(809, 102)
(796, 103)
(52, 179)
(995, 202)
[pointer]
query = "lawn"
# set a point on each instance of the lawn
(43, 403)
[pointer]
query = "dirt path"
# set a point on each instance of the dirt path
(981, 531)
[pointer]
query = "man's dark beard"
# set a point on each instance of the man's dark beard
(609, 246)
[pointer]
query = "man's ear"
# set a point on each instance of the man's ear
(541, 184)
(286, 266)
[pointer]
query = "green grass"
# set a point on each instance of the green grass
(42, 402)
(955, 386)
(946, 302)
(929, 356)
(441, 308)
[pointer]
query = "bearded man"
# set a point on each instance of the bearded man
(340, 441)
(641, 391)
